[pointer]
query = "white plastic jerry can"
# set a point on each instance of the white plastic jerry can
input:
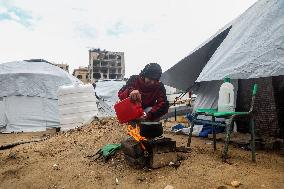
(226, 97)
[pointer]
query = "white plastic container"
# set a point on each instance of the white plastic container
(77, 105)
(226, 97)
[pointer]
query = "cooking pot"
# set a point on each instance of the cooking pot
(151, 129)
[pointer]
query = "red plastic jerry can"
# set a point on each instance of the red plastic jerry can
(127, 111)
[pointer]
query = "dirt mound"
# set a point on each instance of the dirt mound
(65, 161)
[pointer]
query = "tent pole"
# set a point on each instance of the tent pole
(180, 96)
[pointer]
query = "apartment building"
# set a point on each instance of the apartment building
(106, 65)
(82, 73)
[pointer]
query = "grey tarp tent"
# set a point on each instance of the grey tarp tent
(185, 72)
(251, 52)
(251, 46)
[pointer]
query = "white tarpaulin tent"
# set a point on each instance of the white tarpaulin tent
(251, 46)
(254, 46)
(108, 90)
(28, 95)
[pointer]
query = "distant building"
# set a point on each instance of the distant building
(106, 65)
(63, 66)
(82, 73)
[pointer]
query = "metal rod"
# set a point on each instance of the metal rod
(252, 132)
(214, 134)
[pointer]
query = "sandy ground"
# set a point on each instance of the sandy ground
(62, 161)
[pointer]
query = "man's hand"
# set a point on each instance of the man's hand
(143, 117)
(135, 96)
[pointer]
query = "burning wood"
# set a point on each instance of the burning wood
(135, 133)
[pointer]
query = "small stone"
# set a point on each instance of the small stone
(141, 178)
(181, 156)
(169, 187)
(13, 155)
(235, 183)
(55, 167)
(116, 181)
(222, 187)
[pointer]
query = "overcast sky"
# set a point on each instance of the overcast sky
(162, 31)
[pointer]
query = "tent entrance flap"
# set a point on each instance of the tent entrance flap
(185, 72)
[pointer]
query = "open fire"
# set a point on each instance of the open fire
(148, 150)
(135, 133)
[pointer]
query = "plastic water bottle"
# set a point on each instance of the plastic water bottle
(226, 97)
